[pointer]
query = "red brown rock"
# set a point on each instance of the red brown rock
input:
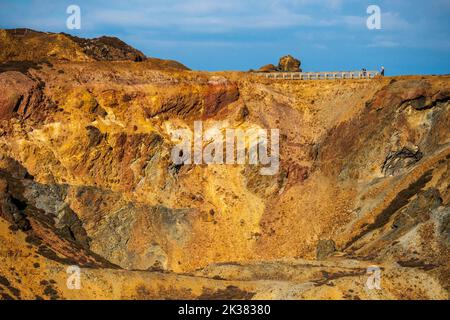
(19, 95)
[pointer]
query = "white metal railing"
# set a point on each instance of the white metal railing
(319, 75)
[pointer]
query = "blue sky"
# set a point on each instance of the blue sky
(242, 34)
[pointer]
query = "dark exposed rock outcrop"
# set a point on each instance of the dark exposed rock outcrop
(396, 161)
(108, 48)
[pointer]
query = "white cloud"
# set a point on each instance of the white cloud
(221, 16)
(393, 22)
(383, 42)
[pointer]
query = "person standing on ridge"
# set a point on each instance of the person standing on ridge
(382, 71)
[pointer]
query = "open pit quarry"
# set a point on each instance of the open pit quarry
(86, 180)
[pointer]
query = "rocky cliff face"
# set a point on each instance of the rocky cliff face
(86, 179)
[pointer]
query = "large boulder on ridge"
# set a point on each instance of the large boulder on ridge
(289, 64)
